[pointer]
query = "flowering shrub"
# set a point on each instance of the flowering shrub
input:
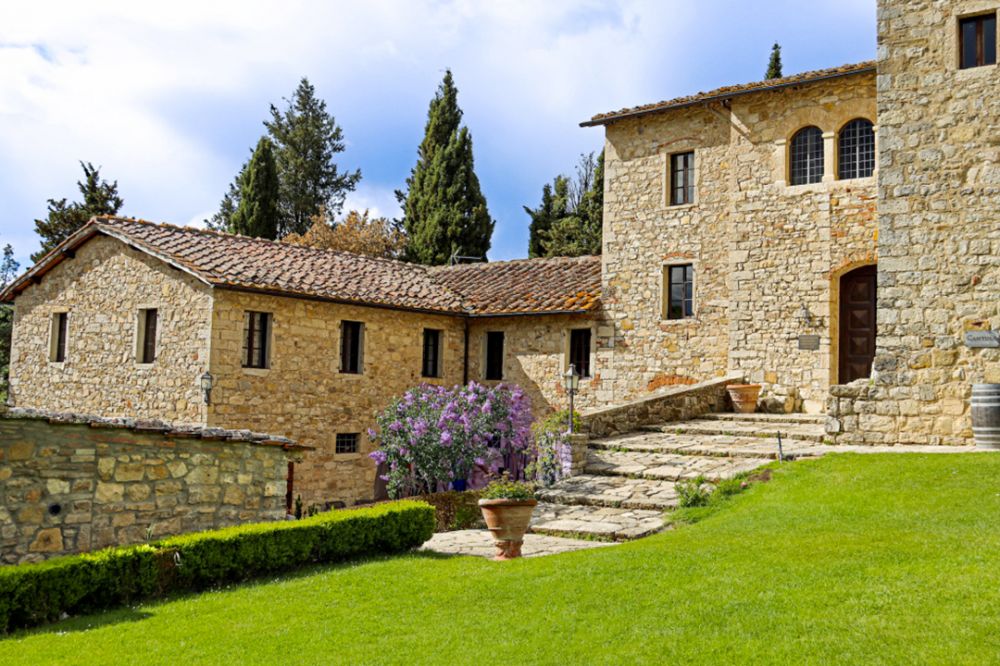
(434, 435)
(552, 456)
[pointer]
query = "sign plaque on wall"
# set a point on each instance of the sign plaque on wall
(982, 339)
(808, 342)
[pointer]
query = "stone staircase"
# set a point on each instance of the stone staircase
(628, 481)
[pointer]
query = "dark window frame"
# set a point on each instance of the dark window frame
(60, 323)
(430, 362)
(257, 343)
(678, 307)
(682, 178)
(579, 351)
(150, 322)
(352, 353)
(984, 51)
(856, 149)
(347, 442)
(806, 155)
(495, 344)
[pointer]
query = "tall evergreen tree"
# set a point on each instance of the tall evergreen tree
(63, 219)
(8, 271)
(306, 139)
(444, 210)
(774, 64)
(555, 197)
(257, 213)
(570, 220)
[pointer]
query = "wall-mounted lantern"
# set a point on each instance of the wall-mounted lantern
(571, 382)
(206, 386)
(805, 317)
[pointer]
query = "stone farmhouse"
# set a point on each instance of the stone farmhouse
(831, 235)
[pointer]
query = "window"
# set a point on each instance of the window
(579, 351)
(680, 291)
(351, 338)
(682, 178)
(807, 156)
(57, 344)
(432, 353)
(347, 442)
(856, 150)
(146, 346)
(256, 339)
(977, 37)
(494, 355)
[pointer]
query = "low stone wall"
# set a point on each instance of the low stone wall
(72, 484)
(676, 404)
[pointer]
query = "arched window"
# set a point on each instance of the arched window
(856, 150)
(807, 156)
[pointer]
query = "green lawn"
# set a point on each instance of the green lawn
(848, 559)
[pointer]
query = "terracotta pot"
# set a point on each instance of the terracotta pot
(744, 397)
(507, 520)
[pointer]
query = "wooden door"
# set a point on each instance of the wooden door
(857, 323)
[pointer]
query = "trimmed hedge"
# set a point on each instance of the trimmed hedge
(32, 594)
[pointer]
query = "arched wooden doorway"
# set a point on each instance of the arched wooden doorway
(858, 290)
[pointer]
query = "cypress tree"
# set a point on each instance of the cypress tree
(555, 199)
(257, 213)
(444, 210)
(774, 65)
(63, 219)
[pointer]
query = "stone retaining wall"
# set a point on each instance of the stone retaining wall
(70, 484)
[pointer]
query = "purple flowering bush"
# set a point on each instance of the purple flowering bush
(432, 436)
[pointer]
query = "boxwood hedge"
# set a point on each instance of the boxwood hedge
(32, 594)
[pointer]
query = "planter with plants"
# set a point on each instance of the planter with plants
(744, 397)
(507, 507)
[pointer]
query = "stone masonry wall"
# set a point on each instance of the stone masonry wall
(102, 290)
(81, 485)
(939, 236)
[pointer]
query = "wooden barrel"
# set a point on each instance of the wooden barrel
(986, 416)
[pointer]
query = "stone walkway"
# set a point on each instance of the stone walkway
(480, 544)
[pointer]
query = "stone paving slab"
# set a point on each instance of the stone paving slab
(479, 543)
(668, 466)
(612, 491)
(762, 417)
(726, 446)
(802, 431)
(595, 522)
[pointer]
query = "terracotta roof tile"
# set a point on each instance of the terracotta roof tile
(732, 91)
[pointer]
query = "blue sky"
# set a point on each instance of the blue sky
(168, 98)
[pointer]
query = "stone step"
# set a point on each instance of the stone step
(794, 419)
(667, 466)
(595, 522)
(612, 491)
(801, 431)
(725, 446)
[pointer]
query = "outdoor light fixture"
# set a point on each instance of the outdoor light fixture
(805, 316)
(571, 382)
(206, 387)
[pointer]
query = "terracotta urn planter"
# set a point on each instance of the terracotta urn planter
(744, 397)
(507, 520)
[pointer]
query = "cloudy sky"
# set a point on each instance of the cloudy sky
(168, 98)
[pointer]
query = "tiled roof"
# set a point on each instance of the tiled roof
(254, 264)
(560, 284)
(732, 91)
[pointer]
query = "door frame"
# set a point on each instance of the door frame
(836, 312)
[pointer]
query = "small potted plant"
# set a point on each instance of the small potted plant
(744, 397)
(507, 507)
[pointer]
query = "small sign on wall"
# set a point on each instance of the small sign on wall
(808, 342)
(982, 339)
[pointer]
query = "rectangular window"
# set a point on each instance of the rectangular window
(432, 353)
(682, 178)
(60, 329)
(347, 442)
(579, 351)
(680, 291)
(494, 355)
(147, 335)
(256, 340)
(351, 341)
(977, 36)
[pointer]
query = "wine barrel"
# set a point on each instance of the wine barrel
(986, 416)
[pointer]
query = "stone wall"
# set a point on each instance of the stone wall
(75, 484)
(939, 236)
(102, 289)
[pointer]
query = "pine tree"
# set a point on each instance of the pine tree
(774, 65)
(8, 270)
(306, 139)
(257, 212)
(569, 222)
(444, 210)
(63, 219)
(555, 198)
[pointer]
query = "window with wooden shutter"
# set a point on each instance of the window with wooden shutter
(682, 178)
(59, 334)
(351, 337)
(977, 36)
(148, 321)
(494, 355)
(432, 353)
(579, 351)
(257, 340)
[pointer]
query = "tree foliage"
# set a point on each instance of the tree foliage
(257, 214)
(569, 220)
(63, 219)
(357, 232)
(774, 64)
(8, 271)
(444, 210)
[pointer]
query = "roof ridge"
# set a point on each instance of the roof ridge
(519, 260)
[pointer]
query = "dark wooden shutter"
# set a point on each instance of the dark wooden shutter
(350, 347)
(494, 355)
(149, 336)
(432, 347)
(579, 351)
(61, 328)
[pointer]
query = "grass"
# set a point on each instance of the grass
(848, 559)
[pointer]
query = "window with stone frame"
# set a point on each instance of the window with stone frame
(856, 150)
(678, 287)
(59, 331)
(146, 339)
(431, 365)
(806, 156)
(977, 40)
(352, 335)
(256, 340)
(347, 442)
(579, 351)
(682, 178)
(494, 355)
